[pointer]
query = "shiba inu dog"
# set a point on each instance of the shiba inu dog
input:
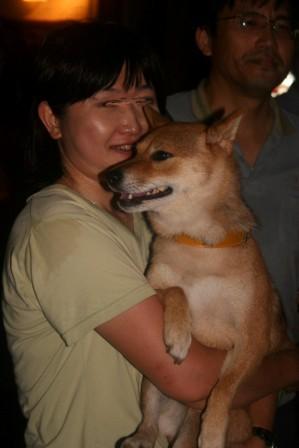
(214, 281)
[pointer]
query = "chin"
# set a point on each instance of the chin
(267, 80)
(261, 88)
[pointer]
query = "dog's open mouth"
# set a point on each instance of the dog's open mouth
(131, 199)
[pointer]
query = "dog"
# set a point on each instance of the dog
(214, 281)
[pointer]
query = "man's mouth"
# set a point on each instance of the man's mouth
(131, 199)
(263, 59)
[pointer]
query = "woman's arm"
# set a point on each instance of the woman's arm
(138, 335)
(262, 414)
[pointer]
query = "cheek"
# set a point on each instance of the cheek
(101, 127)
(92, 133)
(286, 53)
(227, 53)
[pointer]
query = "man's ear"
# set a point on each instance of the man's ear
(203, 41)
(49, 120)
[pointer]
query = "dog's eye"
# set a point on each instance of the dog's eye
(161, 155)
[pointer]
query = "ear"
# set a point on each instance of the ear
(154, 118)
(203, 41)
(49, 119)
(224, 132)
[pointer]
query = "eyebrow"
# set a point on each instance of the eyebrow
(114, 91)
(280, 15)
(120, 90)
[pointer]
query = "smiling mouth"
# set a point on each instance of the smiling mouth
(132, 199)
(123, 148)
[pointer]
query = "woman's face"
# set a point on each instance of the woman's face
(100, 131)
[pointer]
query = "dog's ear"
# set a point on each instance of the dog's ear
(224, 132)
(154, 118)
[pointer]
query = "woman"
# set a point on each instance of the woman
(82, 322)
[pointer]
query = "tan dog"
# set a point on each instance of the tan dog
(215, 283)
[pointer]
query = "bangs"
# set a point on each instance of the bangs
(136, 75)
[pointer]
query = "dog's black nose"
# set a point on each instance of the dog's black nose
(113, 177)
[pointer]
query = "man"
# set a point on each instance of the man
(251, 45)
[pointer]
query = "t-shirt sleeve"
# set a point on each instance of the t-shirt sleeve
(84, 275)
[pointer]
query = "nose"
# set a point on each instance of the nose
(133, 120)
(113, 177)
(267, 34)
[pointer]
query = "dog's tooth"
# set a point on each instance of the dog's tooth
(130, 196)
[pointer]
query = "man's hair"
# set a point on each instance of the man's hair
(75, 61)
(206, 13)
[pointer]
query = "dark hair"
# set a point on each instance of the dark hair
(207, 13)
(74, 62)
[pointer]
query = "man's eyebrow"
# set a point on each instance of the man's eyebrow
(280, 14)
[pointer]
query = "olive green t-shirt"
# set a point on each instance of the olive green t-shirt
(69, 267)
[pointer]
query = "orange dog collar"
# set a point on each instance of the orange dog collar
(232, 239)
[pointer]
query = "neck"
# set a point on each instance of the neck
(92, 191)
(210, 223)
(221, 95)
(257, 115)
(89, 189)
(232, 239)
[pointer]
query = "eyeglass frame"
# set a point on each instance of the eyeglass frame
(272, 22)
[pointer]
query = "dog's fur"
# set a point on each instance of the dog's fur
(185, 178)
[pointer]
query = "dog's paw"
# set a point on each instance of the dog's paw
(177, 342)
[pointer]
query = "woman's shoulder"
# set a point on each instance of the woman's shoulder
(50, 208)
(56, 201)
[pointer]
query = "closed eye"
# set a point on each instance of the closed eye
(159, 156)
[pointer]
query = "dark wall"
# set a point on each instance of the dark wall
(170, 26)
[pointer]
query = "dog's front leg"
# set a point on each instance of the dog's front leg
(177, 323)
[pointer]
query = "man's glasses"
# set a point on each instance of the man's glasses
(254, 22)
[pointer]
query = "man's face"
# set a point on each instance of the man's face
(253, 58)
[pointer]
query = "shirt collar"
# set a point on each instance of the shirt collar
(201, 110)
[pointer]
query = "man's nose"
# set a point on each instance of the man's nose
(267, 33)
